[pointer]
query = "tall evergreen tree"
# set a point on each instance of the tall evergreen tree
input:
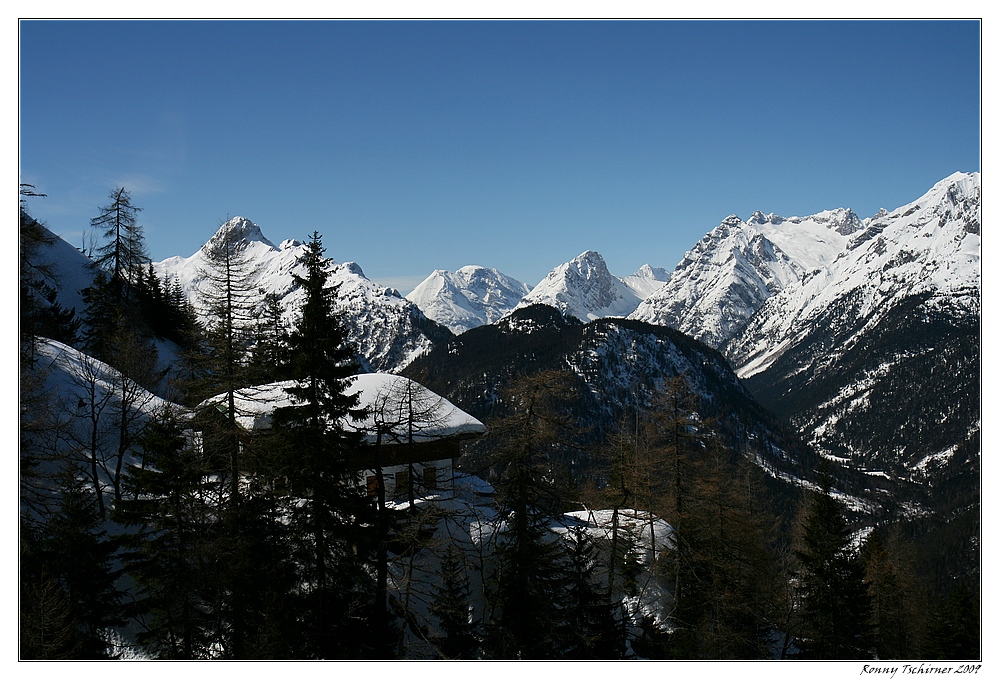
(332, 518)
(898, 614)
(451, 605)
(267, 355)
(593, 626)
(836, 607)
(123, 255)
(79, 553)
(955, 631)
(529, 578)
(173, 558)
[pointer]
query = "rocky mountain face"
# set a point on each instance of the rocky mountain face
(388, 330)
(584, 289)
(862, 334)
(726, 278)
(470, 297)
(876, 358)
(929, 246)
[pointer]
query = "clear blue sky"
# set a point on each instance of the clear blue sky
(414, 146)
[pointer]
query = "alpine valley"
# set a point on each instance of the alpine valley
(826, 353)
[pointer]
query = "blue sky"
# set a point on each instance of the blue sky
(414, 146)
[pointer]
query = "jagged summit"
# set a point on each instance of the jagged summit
(387, 330)
(646, 280)
(584, 288)
(243, 229)
(736, 267)
(720, 283)
(931, 245)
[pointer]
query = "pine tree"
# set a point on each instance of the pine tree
(80, 554)
(452, 608)
(123, 255)
(897, 611)
(531, 564)
(267, 355)
(955, 631)
(47, 627)
(331, 521)
(836, 607)
(172, 506)
(593, 626)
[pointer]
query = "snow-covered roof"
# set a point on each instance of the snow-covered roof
(384, 397)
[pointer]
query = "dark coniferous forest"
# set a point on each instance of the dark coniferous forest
(629, 497)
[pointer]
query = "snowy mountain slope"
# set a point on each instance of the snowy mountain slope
(78, 410)
(585, 289)
(726, 278)
(470, 297)
(875, 359)
(65, 269)
(387, 330)
(929, 245)
(647, 280)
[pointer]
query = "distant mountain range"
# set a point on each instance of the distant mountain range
(863, 335)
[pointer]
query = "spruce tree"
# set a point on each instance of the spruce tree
(79, 553)
(955, 631)
(332, 517)
(172, 507)
(593, 626)
(452, 607)
(267, 354)
(836, 607)
(123, 255)
(529, 579)
(898, 611)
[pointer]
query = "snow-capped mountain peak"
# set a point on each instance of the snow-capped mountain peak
(469, 297)
(931, 245)
(243, 229)
(723, 280)
(584, 288)
(646, 280)
(386, 329)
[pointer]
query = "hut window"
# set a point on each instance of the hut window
(402, 481)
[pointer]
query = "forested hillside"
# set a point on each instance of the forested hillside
(629, 498)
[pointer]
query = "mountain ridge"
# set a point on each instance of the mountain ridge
(387, 330)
